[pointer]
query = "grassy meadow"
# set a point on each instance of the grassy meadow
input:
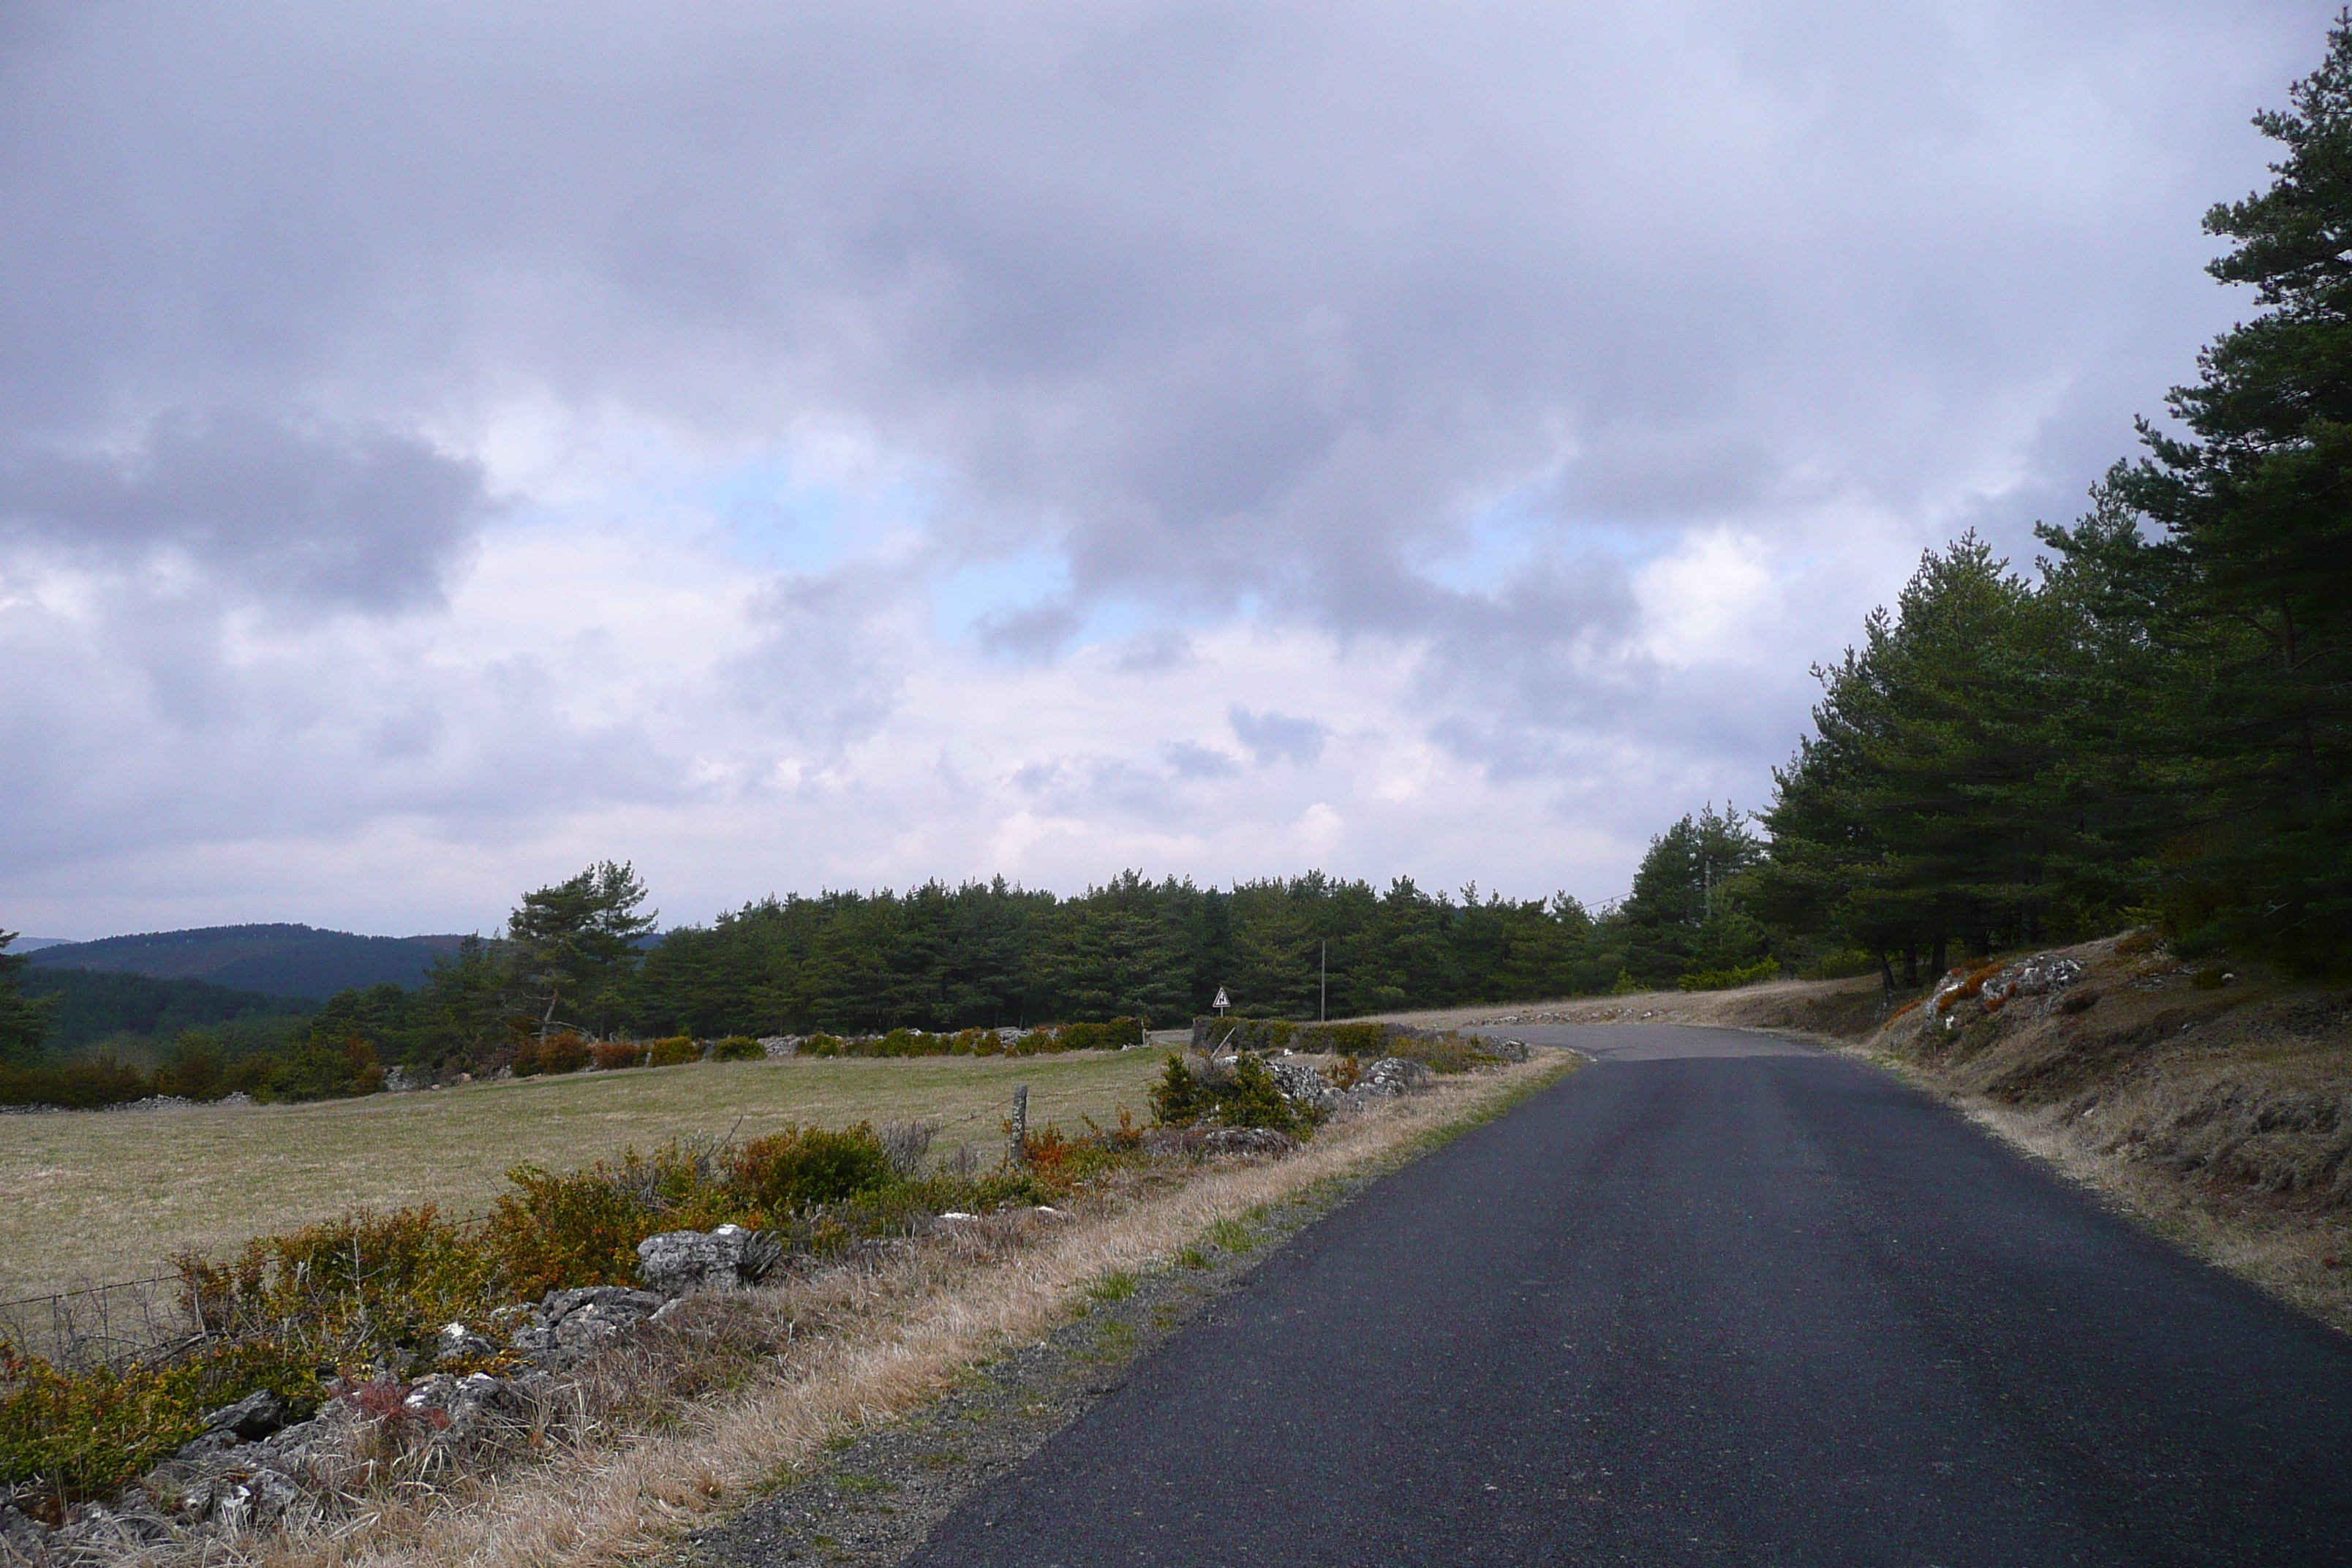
(94, 1196)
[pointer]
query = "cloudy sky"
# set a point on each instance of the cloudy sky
(797, 446)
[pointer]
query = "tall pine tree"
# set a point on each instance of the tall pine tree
(2255, 503)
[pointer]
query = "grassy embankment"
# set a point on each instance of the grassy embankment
(96, 1196)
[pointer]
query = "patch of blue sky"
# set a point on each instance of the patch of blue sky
(1503, 538)
(772, 516)
(967, 600)
(964, 596)
(762, 512)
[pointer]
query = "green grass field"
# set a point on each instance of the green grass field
(94, 1197)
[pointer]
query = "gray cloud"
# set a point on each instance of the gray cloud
(1032, 632)
(1164, 647)
(1271, 737)
(1190, 759)
(368, 519)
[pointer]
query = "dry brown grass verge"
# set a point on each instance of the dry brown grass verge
(848, 1347)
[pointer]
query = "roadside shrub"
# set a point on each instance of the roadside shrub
(821, 1046)
(76, 1435)
(1202, 1090)
(676, 1051)
(737, 1048)
(1256, 1101)
(800, 1166)
(1345, 1073)
(69, 1434)
(577, 1229)
(610, 1056)
(367, 1283)
(1125, 1138)
(1223, 1036)
(1179, 1099)
(1036, 1043)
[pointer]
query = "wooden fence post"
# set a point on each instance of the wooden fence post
(1018, 1153)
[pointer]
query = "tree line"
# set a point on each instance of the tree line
(580, 956)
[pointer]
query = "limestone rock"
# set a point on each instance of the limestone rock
(571, 1325)
(263, 1498)
(1303, 1087)
(457, 1406)
(252, 1418)
(458, 1343)
(1393, 1076)
(677, 1262)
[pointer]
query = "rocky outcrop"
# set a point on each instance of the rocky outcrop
(457, 1342)
(1307, 1089)
(680, 1262)
(257, 1415)
(1393, 1076)
(569, 1326)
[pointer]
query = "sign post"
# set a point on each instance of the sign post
(1221, 1004)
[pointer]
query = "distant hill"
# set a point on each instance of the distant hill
(98, 1004)
(275, 960)
(25, 944)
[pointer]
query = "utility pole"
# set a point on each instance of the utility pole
(1323, 1006)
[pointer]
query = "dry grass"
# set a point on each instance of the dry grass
(900, 1335)
(95, 1196)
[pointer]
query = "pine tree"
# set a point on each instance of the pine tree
(2256, 502)
(572, 940)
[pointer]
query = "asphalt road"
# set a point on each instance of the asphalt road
(1718, 1299)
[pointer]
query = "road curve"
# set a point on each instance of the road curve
(1718, 1299)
